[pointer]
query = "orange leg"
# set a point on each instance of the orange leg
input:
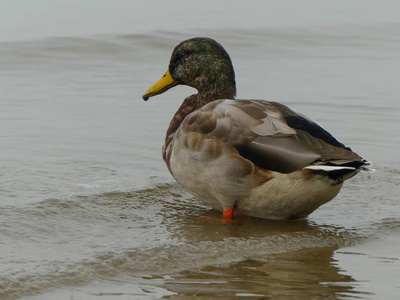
(228, 215)
(226, 219)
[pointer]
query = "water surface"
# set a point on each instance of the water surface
(89, 211)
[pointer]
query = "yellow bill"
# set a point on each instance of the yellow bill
(165, 83)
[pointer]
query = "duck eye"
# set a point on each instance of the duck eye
(182, 55)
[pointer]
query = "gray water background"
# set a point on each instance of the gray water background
(88, 209)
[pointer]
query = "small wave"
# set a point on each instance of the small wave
(160, 260)
(152, 231)
(75, 50)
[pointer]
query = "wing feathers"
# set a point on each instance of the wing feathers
(272, 136)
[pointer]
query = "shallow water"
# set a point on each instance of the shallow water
(89, 211)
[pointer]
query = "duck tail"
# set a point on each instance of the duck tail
(340, 171)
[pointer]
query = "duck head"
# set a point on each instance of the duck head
(200, 63)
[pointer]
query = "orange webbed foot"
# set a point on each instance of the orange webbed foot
(227, 218)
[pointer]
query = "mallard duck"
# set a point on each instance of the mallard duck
(246, 157)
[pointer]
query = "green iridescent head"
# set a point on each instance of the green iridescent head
(203, 64)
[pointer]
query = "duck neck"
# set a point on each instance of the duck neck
(189, 105)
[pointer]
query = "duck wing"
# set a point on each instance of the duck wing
(272, 136)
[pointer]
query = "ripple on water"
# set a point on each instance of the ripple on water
(77, 240)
